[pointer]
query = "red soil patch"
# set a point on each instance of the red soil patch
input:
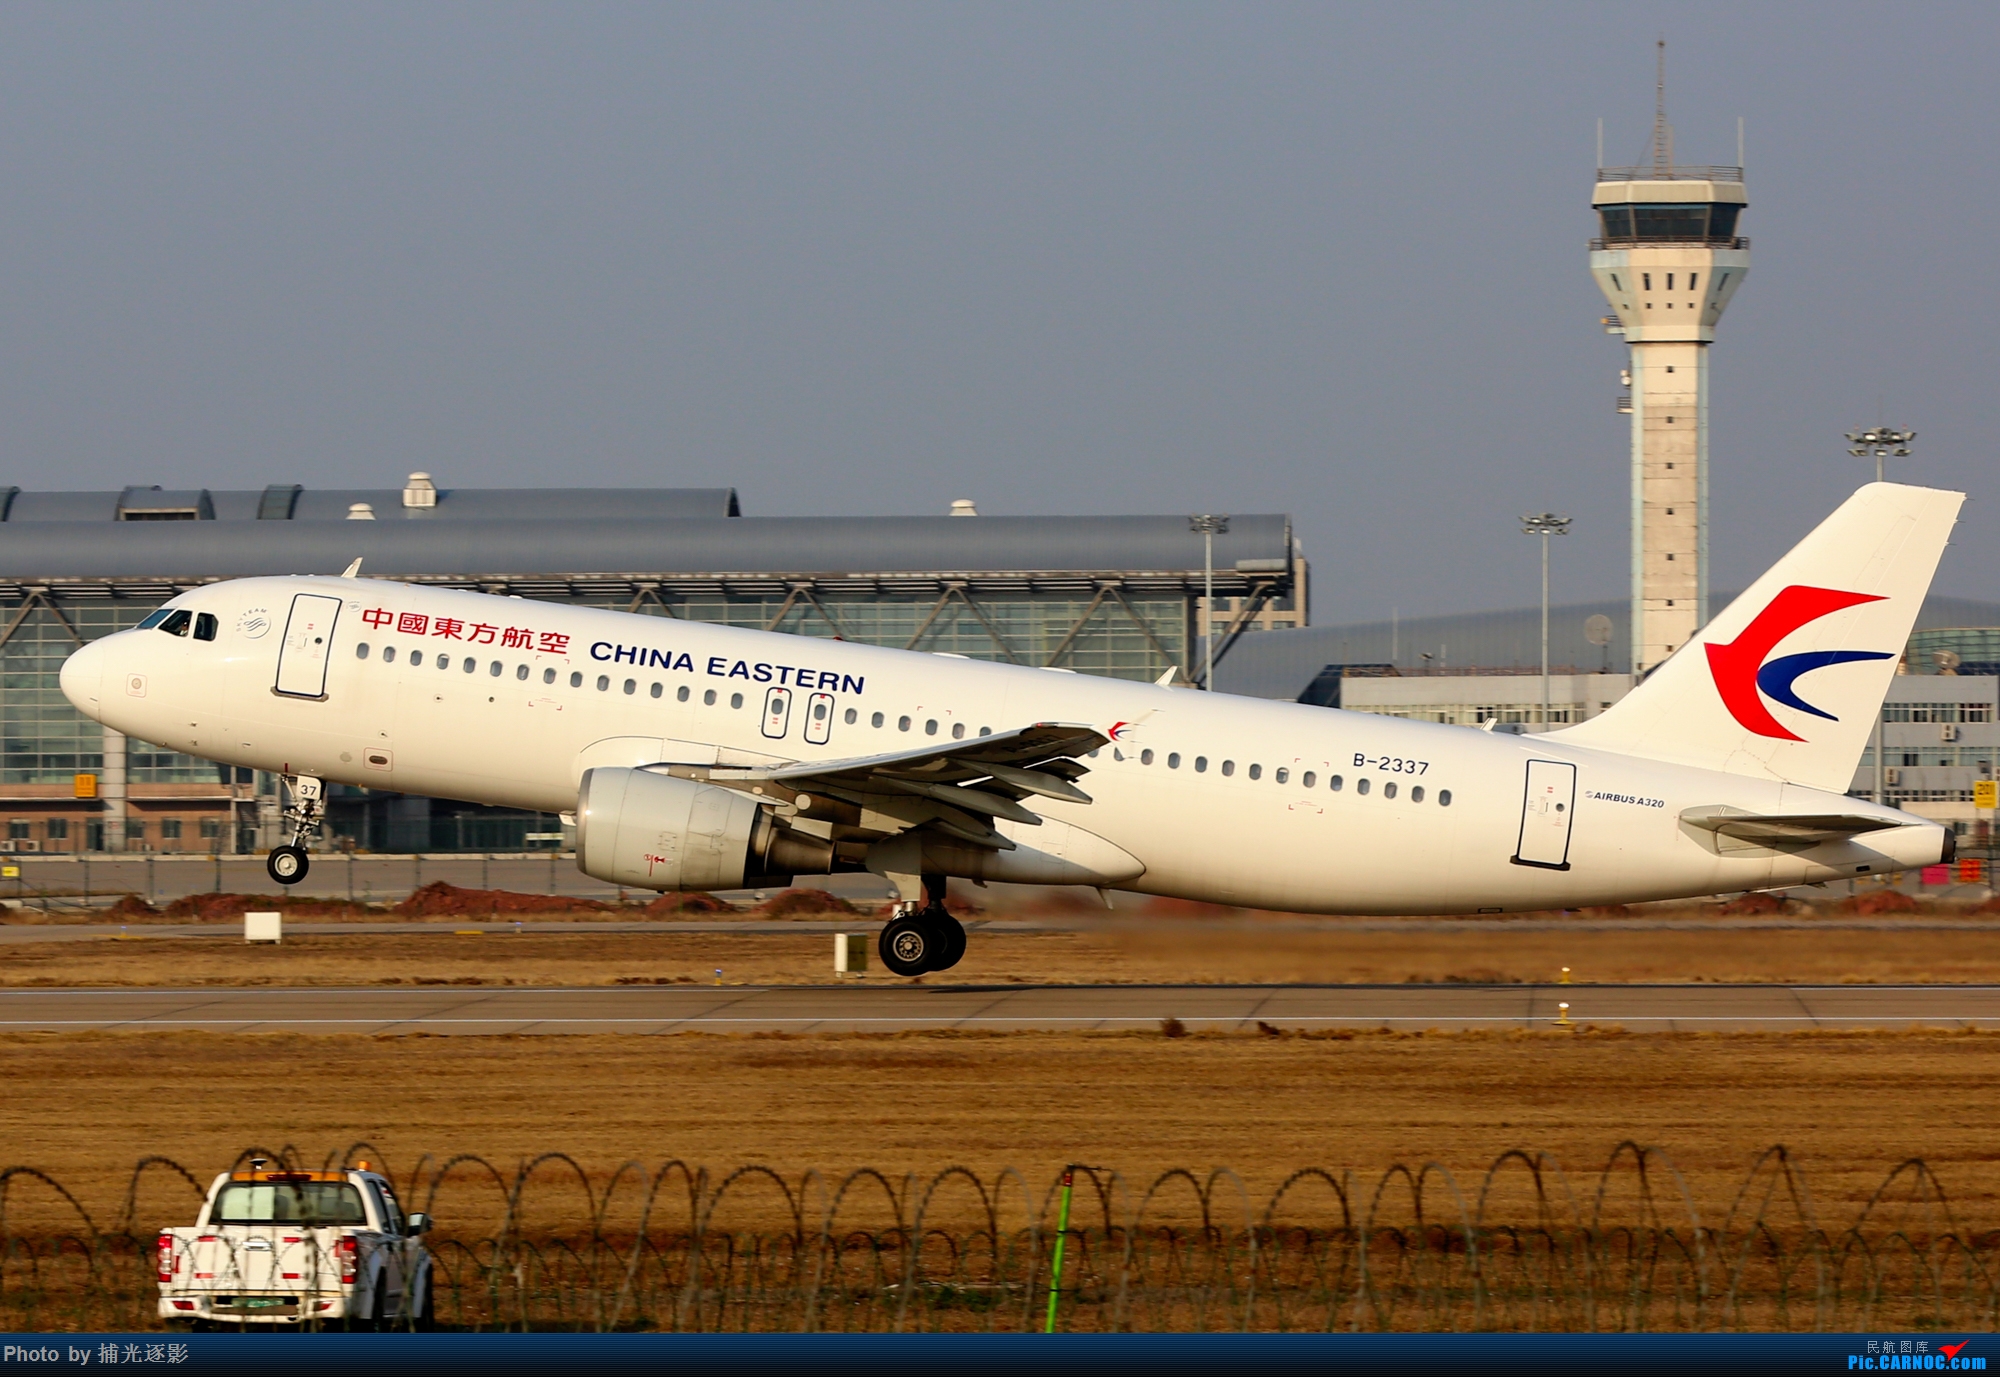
(1750, 904)
(440, 900)
(1881, 901)
(671, 905)
(790, 902)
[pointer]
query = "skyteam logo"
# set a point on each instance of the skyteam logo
(1744, 679)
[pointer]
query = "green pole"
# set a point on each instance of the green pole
(1055, 1269)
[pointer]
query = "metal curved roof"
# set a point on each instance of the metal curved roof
(291, 501)
(557, 548)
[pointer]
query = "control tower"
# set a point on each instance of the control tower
(1668, 261)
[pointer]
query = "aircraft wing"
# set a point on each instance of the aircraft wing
(1767, 829)
(956, 786)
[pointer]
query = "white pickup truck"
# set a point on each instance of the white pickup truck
(304, 1248)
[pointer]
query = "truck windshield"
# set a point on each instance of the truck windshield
(288, 1202)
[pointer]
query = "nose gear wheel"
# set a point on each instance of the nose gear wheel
(288, 864)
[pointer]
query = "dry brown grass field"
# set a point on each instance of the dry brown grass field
(87, 1106)
(1158, 951)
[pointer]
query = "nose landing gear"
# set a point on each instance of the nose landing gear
(289, 863)
(922, 939)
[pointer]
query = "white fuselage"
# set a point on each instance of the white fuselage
(1225, 799)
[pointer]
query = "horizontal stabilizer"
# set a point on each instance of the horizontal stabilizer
(1769, 829)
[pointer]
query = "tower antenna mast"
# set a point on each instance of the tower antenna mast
(1663, 133)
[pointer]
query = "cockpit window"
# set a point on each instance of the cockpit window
(204, 626)
(153, 619)
(176, 623)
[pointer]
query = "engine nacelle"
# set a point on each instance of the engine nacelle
(655, 831)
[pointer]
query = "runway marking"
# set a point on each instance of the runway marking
(1355, 1019)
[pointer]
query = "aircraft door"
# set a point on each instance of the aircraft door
(777, 712)
(302, 656)
(819, 718)
(1548, 805)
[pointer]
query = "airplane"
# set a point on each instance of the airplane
(693, 756)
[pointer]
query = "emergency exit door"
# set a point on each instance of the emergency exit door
(1548, 805)
(308, 639)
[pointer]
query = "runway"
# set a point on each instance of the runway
(879, 1007)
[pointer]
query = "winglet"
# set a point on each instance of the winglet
(353, 571)
(1165, 680)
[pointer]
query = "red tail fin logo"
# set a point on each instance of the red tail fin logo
(1744, 680)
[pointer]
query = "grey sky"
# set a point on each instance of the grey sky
(1098, 258)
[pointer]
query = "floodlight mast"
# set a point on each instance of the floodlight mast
(1883, 442)
(1545, 525)
(1880, 443)
(1209, 525)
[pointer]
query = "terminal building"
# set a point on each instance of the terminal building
(1111, 595)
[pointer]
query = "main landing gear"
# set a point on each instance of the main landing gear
(289, 863)
(922, 938)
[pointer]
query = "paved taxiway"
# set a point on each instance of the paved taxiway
(881, 1007)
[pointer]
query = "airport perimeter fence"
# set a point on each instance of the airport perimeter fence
(1525, 1247)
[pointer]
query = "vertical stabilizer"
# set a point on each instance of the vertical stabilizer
(1787, 680)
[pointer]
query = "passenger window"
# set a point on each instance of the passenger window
(388, 655)
(176, 622)
(851, 717)
(902, 724)
(1416, 793)
(1361, 786)
(1308, 779)
(361, 651)
(958, 731)
(1334, 782)
(575, 680)
(603, 683)
(444, 662)
(819, 712)
(495, 668)
(520, 671)
(1200, 764)
(1256, 772)
(659, 689)
(1444, 798)
(1173, 760)
(681, 694)
(1146, 757)
(631, 687)
(416, 657)
(986, 731)
(930, 727)
(549, 675)
(204, 626)
(876, 720)
(1228, 767)
(1389, 789)
(470, 664)
(735, 700)
(708, 699)
(1283, 775)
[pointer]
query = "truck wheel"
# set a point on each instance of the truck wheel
(287, 864)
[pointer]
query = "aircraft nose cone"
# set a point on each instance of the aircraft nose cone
(83, 679)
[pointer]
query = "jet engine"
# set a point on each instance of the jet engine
(655, 831)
